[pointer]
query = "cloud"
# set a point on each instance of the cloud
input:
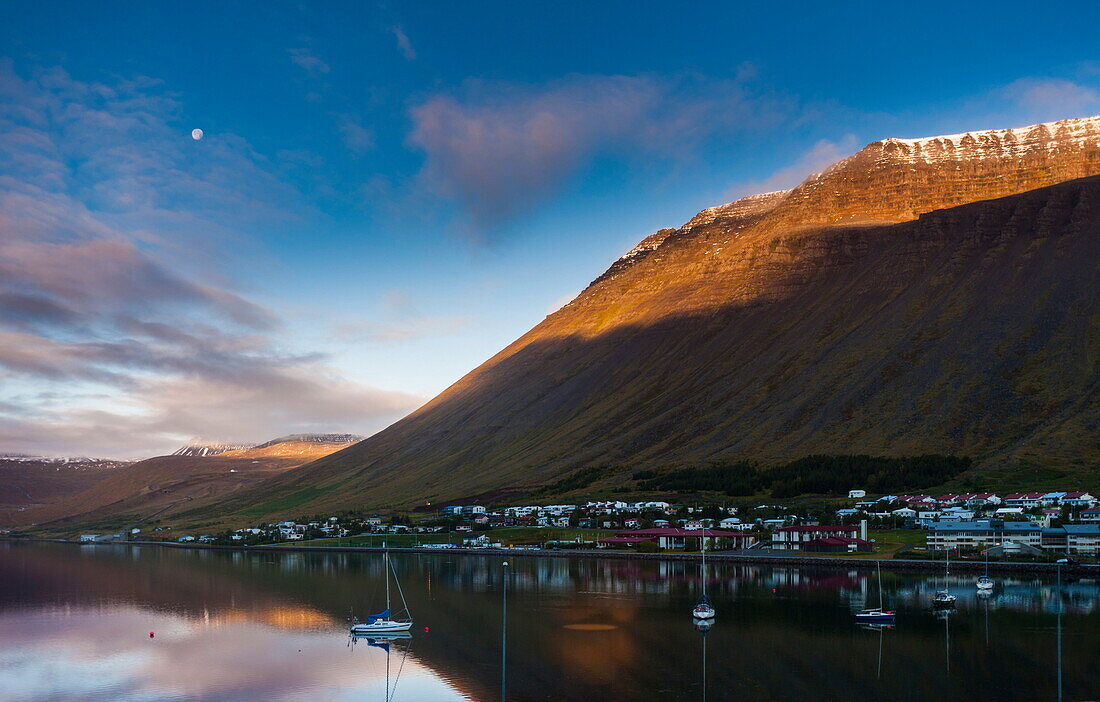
(399, 331)
(357, 137)
(307, 61)
(1054, 98)
(499, 149)
(813, 161)
(121, 327)
(403, 42)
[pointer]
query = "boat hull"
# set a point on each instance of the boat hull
(382, 627)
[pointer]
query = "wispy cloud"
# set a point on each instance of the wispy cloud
(399, 331)
(499, 149)
(403, 42)
(357, 137)
(814, 160)
(306, 60)
(115, 223)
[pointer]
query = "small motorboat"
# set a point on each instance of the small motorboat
(985, 583)
(875, 616)
(943, 598)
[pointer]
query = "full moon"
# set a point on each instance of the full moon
(196, 134)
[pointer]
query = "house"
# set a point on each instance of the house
(729, 523)
(1082, 539)
(1090, 515)
(632, 523)
(1024, 499)
(847, 512)
(905, 512)
(837, 544)
(693, 524)
(472, 510)
(479, 541)
(96, 538)
(982, 499)
(792, 538)
(956, 514)
(1077, 499)
(463, 528)
(449, 510)
(1002, 512)
(373, 521)
(622, 540)
(208, 538)
(185, 539)
(926, 517)
(660, 523)
(856, 494)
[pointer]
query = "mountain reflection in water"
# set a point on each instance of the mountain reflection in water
(75, 624)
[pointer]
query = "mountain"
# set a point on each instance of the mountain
(313, 439)
(34, 481)
(168, 485)
(934, 295)
(201, 447)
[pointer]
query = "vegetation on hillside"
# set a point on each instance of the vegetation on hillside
(817, 475)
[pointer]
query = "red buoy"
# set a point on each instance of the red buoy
(150, 634)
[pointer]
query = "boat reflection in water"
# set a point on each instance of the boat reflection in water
(242, 626)
(384, 642)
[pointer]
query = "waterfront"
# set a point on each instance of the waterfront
(231, 625)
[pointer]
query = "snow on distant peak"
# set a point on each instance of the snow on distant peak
(994, 142)
(202, 447)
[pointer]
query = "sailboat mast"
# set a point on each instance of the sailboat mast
(879, 566)
(704, 566)
(387, 567)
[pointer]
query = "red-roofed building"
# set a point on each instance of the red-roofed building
(1090, 515)
(792, 538)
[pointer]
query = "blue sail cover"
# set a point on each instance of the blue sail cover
(371, 619)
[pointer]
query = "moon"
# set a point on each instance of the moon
(196, 134)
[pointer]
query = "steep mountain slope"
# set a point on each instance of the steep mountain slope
(870, 309)
(167, 485)
(202, 447)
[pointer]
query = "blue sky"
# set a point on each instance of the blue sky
(387, 194)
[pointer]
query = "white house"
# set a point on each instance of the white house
(905, 512)
(856, 494)
(1090, 515)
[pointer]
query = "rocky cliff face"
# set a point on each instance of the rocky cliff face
(927, 295)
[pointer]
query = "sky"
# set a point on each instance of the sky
(387, 194)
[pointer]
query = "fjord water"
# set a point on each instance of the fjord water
(75, 623)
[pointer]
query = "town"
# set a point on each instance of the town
(1019, 525)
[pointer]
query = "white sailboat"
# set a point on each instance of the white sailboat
(944, 598)
(704, 610)
(386, 622)
(876, 615)
(985, 583)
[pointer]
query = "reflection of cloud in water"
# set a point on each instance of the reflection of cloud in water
(106, 654)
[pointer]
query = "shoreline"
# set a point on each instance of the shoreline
(739, 557)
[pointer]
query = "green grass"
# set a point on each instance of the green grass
(283, 504)
(890, 541)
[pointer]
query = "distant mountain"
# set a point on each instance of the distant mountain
(201, 447)
(34, 481)
(168, 485)
(314, 439)
(923, 295)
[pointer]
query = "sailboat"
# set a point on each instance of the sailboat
(943, 598)
(386, 621)
(985, 583)
(877, 615)
(704, 610)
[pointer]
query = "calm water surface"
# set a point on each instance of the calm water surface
(75, 624)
